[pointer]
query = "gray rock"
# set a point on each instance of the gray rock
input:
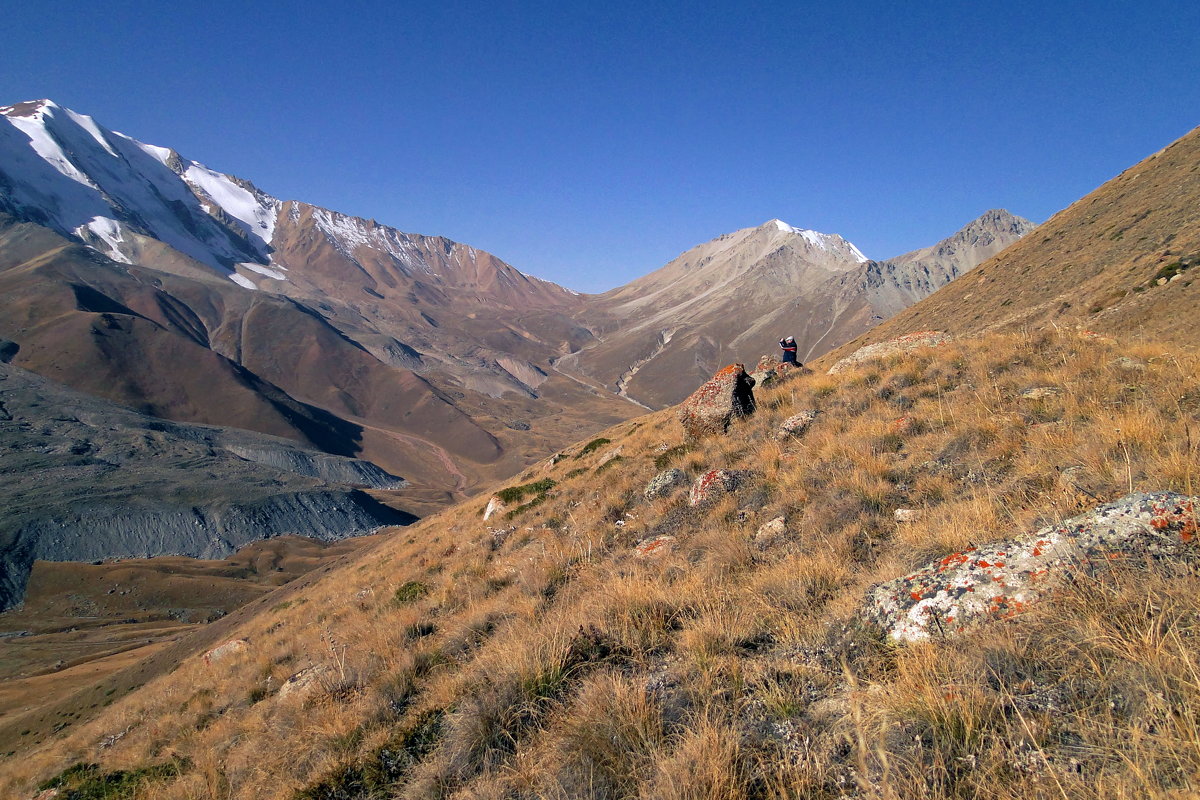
(770, 532)
(225, 651)
(304, 681)
(664, 483)
(795, 425)
(1000, 580)
(763, 377)
(1041, 393)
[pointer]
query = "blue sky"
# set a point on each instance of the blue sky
(591, 143)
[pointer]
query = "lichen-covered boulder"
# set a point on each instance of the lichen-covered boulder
(654, 547)
(901, 344)
(795, 425)
(664, 483)
(1002, 579)
(729, 394)
(716, 482)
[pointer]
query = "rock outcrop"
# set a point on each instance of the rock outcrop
(1002, 579)
(729, 394)
(898, 346)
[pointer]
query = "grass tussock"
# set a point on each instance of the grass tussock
(549, 660)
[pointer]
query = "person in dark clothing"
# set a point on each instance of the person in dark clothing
(789, 350)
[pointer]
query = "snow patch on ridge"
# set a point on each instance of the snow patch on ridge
(243, 281)
(239, 203)
(349, 233)
(824, 241)
(270, 272)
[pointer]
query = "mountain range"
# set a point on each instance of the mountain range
(136, 276)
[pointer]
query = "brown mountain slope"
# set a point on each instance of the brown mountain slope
(1096, 265)
(198, 348)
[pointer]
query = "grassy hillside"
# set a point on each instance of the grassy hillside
(540, 656)
(1120, 261)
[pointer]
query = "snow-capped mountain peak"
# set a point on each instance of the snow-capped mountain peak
(825, 241)
(64, 170)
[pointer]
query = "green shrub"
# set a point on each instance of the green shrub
(664, 459)
(515, 494)
(593, 446)
(87, 782)
(375, 775)
(409, 591)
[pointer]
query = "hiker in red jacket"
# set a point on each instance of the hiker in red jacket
(789, 350)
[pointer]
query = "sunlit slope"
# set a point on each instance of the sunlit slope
(536, 654)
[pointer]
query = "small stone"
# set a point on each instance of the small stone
(770, 532)
(903, 515)
(664, 483)
(495, 506)
(1040, 393)
(795, 425)
(654, 547)
(1161, 282)
(1125, 362)
(226, 650)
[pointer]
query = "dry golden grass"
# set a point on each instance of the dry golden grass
(539, 657)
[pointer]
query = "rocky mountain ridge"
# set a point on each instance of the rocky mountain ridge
(731, 299)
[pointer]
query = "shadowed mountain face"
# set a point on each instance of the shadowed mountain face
(1119, 261)
(84, 478)
(732, 299)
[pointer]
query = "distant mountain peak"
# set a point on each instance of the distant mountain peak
(824, 241)
(27, 108)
